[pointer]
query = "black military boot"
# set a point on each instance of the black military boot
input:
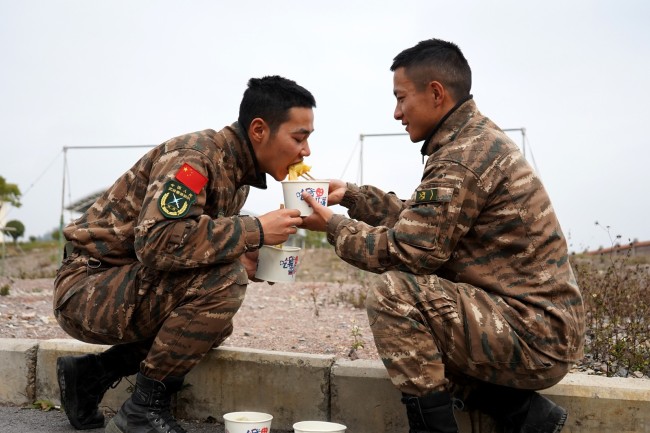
(148, 409)
(432, 413)
(517, 410)
(83, 381)
(535, 414)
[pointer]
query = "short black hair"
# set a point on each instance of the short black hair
(270, 98)
(436, 60)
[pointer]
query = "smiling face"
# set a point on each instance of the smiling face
(418, 109)
(286, 146)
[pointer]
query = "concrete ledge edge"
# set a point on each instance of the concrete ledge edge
(593, 386)
(307, 386)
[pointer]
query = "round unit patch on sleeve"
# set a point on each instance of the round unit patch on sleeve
(175, 200)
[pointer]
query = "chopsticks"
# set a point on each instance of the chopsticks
(307, 176)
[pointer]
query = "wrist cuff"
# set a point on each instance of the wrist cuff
(253, 236)
(259, 225)
(351, 194)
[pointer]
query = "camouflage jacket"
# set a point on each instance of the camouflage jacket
(480, 216)
(178, 206)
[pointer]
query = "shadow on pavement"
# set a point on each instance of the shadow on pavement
(26, 420)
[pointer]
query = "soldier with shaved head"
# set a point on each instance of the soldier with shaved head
(478, 305)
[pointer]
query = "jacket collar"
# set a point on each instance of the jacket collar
(449, 125)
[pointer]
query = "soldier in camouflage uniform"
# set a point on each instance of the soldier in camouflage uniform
(158, 265)
(478, 302)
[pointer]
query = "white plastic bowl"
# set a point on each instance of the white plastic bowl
(318, 426)
(243, 422)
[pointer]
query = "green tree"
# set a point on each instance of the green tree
(9, 193)
(315, 239)
(18, 229)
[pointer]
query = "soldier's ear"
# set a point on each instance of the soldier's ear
(258, 130)
(437, 91)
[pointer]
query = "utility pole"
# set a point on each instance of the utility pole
(361, 137)
(4, 248)
(65, 170)
(523, 138)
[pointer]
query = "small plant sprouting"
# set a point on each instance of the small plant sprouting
(4, 290)
(44, 405)
(314, 300)
(357, 340)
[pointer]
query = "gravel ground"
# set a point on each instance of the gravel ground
(319, 314)
(306, 316)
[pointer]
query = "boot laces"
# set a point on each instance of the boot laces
(167, 422)
(111, 385)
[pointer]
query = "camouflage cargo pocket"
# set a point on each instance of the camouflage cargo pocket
(489, 337)
(440, 310)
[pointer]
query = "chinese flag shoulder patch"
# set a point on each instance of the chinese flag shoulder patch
(191, 178)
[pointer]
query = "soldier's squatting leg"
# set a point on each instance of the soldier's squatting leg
(130, 303)
(439, 322)
(421, 308)
(83, 380)
(410, 352)
(202, 320)
(185, 313)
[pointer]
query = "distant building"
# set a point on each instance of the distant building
(82, 205)
(633, 249)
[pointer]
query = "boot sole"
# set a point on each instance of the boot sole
(65, 378)
(111, 427)
(560, 423)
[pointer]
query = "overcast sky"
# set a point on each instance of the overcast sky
(574, 74)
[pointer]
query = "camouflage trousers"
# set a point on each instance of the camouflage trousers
(176, 316)
(433, 334)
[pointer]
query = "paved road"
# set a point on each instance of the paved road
(19, 420)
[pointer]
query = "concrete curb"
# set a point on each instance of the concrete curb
(297, 386)
(289, 387)
(18, 368)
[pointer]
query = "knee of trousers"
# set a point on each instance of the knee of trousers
(228, 288)
(382, 292)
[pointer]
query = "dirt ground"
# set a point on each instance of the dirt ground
(321, 313)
